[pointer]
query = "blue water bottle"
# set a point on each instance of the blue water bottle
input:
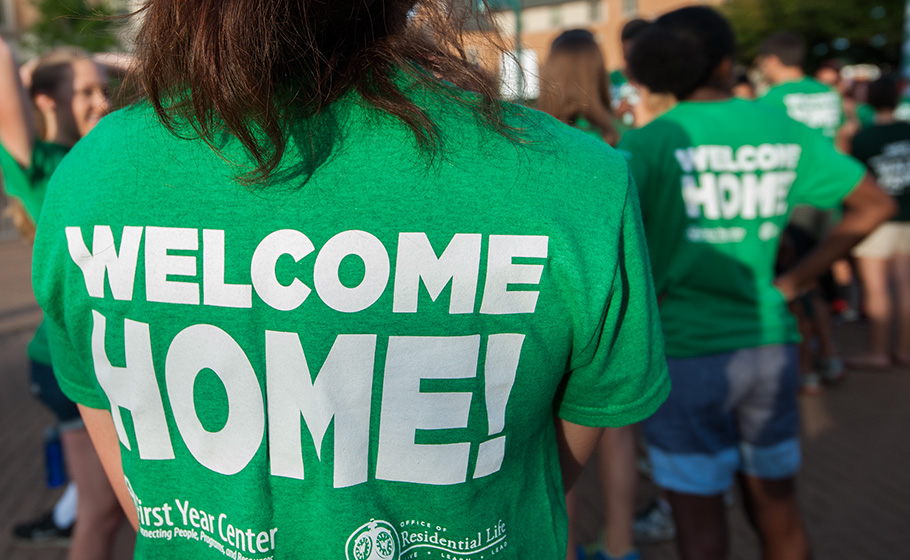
(53, 458)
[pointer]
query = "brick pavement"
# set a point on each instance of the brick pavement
(855, 487)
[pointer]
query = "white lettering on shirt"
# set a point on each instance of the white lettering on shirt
(341, 391)
(133, 387)
(119, 266)
(501, 272)
(201, 347)
(335, 407)
(460, 263)
(159, 264)
(376, 276)
(750, 183)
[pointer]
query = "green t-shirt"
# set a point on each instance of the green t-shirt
(816, 105)
(594, 131)
(885, 149)
(622, 90)
(717, 181)
(28, 186)
(865, 114)
(360, 362)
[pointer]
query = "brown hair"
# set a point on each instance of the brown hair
(49, 72)
(574, 82)
(253, 67)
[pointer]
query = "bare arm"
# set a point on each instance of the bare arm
(17, 127)
(576, 444)
(866, 207)
(104, 437)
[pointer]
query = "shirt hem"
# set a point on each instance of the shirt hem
(596, 418)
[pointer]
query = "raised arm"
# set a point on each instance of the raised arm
(17, 124)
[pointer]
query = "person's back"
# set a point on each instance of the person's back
(359, 356)
(742, 168)
(718, 177)
(883, 259)
(805, 99)
(817, 105)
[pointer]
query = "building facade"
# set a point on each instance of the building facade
(538, 22)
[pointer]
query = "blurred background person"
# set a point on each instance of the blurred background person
(883, 259)
(819, 107)
(732, 415)
(574, 86)
(575, 90)
(67, 97)
(743, 88)
(625, 94)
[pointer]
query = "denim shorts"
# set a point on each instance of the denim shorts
(727, 413)
(46, 389)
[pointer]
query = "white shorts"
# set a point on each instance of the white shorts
(889, 240)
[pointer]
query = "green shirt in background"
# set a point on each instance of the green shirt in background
(717, 181)
(28, 186)
(865, 114)
(816, 105)
(359, 361)
(885, 149)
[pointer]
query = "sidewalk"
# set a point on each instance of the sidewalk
(855, 485)
(23, 493)
(18, 310)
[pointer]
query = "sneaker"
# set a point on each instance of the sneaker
(42, 532)
(810, 383)
(832, 370)
(655, 524)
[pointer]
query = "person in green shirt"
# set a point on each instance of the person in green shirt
(883, 259)
(717, 178)
(574, 89)
(329, 298)
(820, 107)
(69, 94)
(624, 93)
(805, 99)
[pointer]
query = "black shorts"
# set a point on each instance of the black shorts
(46, 389)
(802, 243)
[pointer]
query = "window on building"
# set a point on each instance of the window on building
(520, 79)
(556, 16)
(630, 7)
(6, 15)
(473, 54)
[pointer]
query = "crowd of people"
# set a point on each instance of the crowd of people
(238, 365)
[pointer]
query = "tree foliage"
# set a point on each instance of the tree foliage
(855, 31)
(81, 23)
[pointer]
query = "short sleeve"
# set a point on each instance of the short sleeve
(824, 176)
(29, 185)
(51, 277)
(636, 157)
(75, 379)
(621, 376)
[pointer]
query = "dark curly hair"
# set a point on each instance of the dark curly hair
(680, 51)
